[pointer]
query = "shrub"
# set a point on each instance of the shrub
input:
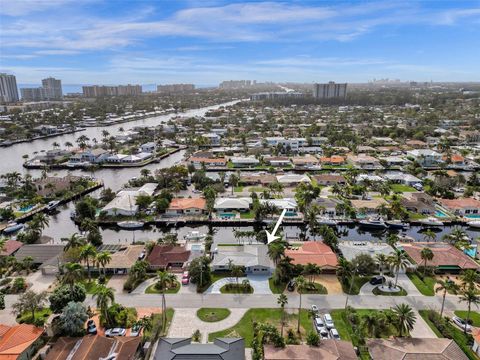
(313, 339)
(197, 336)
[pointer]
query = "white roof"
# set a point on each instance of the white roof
(232, 203)
(244, 160)
(292, 178)
(286, 203)
(245, 255)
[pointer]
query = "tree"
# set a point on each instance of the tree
(86, 209)
(89, 252)
(64, 294)
(236, 271)
(398, 261)
(164, 280)
(429, 235)
(382, 261)
(426, 255)
(143, 201)
(276, 250)
(233, 181)
(29, 301)
(405, 318)
(282, 300)
(469, 278)
(199, 272)
(72, 272)
(74, 241)
(313, 339)
(72, 319)
(103, 258)
(470, 296)
(104, 297)
(364, 264)
(301, 287)
(446, 286)
(344, 269)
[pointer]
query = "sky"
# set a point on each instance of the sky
(206, 42)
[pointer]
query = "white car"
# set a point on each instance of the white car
(461, 323)
(115, 332)
(315, 308)
(328, 321)
(334, 334)
(320, 327)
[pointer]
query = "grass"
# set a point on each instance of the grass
(40, 317)
(213, 314)
(474, 316)
(402, 292)
(157, 331)
(416, 216)
(236, 289)
(238, 189)
(400, 188)
(358, 282)
(92, 285)
(276, 289)
(244, 328)
(315, 288)
(425, 286)
(152, 289)
(247, 215)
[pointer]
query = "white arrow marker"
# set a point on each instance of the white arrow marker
(271, 237)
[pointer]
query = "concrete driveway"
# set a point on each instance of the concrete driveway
(403, 281)
(39, 282)
(258, 282)
(421, 329)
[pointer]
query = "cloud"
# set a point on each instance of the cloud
(24, 7)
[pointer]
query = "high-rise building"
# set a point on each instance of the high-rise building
(175, 88)
(8, 88)
(96, 90)
(53, 88)
(237, 84)
(330, 91)
(33, 94)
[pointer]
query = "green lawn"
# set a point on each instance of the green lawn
(212, 314)
(40, 317)
(157, 330)
(315, 288)
(244, 328)
(425, 286)
(276, 289)
(235, 289)
(153, 290)
(215, 276)
(247, 215)
(474, 316)
(359, 281)
(379, 292)
(400, 188)
(92, 285)
(416, 216)
(238, 189)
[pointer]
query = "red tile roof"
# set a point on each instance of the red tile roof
(187, 203)
(164, 255)
(10, 247)
(460, 203)
(314, 252)
(17, 339)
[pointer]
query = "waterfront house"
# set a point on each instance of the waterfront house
(19, 341)
(244, 162)
(418, 202)
(329, 179)
(368, 207)
(182, 348)
(426, 157)
(186, 206)
(351, 249)
(168, 257)
(10, 247)
(364, 161)
(232, 204)
(124, 203)
(47, 256)
(293, 179)
(198, 161)
(53, 184)
(328, 206)
(304, 162)
(282, 204)
(94, 156)
(212, 139)
(254, 258)
(313, 252)
(327, 349)
(148, 147)
(462, 207)
(123, 257)
(257, 179)
(402, 178)
(277, 161)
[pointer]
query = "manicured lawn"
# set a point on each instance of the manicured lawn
(236, 289)
(416, 216)
(247, 215)
(276, 289)
(402, 292)
(257, 189)
(244, 328)
(157, 330)
(474, 316)
(425, 286)
(359, 281)
(315, 288)
(212, 314)
(40, 317)
(238, 189)
(92, 285)
(153, 290)
(400, 188)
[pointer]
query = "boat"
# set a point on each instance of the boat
(52, 205)
(405, 238)
(373, 223)
(325, 220)
(195, 235)
(130, 224)
(12, 227)
(397, 224)
(474, 224)
(430, 221)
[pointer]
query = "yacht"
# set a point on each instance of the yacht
(377, 223)
(12, 227)
(430, 221)
(325, 220)
(195, 236)
(52, 205)
(474, 224)
(130, 224)
(397, 224)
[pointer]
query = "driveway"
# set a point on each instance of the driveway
(403, 281)
(421, 329)
(258, 282)
(116, 282)
(39, 282)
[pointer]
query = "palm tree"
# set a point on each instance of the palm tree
(445, 286)
(276, 250)
(164, 279)
(392, 239)
(470, 296)
(73, 241)
(369, 324)
(426, 255)
(103, 258)
(105, 296)
(405, 318)
(282, 301)
(398, 261)
(301, 286)
(237, 271)
(469, 278)
(429, 235)
(382, 261)
(72, 272)
(87, 253)
(457, 235)
(344, 269)
(233, 181)
(39, 221)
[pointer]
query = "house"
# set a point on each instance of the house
(368, 207)
(254, 258)
(414, 348)
(283, 204)
(186, 206)
(212, 139)
(402, 178)
(293, 179)
(198, 162)
(257, 179)
(148, 147)
(41, 253)
(328, 206)
(426, 157)
(232, 204)
(94, 347)
(304, 162)
(10, 247)
(244, 162)
(171, 257)
(332, 160)
(455, 160)
(363, 161)
(418, 202)
(54, 184)
(351, 249)
(416, 144)
(392, 161)
(328, 349)
(124, 203)
(313, 252)
(123, 257)
(329, 179)
(96, 156)
(182, 348)
(277, 161)
(476, 341)
(446, 258)
(18, 342)
(462, 207)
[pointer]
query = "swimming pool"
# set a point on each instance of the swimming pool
(227, 215)
(26, 208)
(440, 214)
(473, 216)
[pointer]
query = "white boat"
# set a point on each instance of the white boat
(130, 224)
(52, 205)
(474, 224)
(12, 227)
(430, 221)
(195, 235)
(325, 220)
(373, 223)
(397, 224)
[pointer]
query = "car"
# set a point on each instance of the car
(314, 308)
(115, 332)
(334, 334)
(291, 285)
(135, 331)
(185, 281)
(328, 321)
(320, 327)
(461, 323)
(91, 327)
(377, 280)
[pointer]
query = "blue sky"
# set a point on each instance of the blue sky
(205, 42)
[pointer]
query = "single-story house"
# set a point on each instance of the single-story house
(11, 246)
(418, 202)
(40, 253)
(313, 252)
(123, 257)
(232, 204)
(18, 342)
(446, 258)
(328, 206)
(198, 162)
(461, 207)
(257, 179)
(402, 178)
(244, 162)
(186, 206)
(168, 257)
(254, 258)
(53, 184)
(125, 202)
(369, 206)
(283, 204)
(277, 161)
(329, 179)
(148, 147)
(363, 161)
(293, 179)
(332, 160)
(182, 348)
(351, 249)
(304, 162)
(416, 144)
(414, 348)
(328, 349)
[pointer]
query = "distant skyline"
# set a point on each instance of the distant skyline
(206, 42)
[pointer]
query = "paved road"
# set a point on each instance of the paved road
(258, 282)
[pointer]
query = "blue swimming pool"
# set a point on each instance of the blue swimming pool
(473, 216)
(440, 214)
(227, 215)
(26, 208)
